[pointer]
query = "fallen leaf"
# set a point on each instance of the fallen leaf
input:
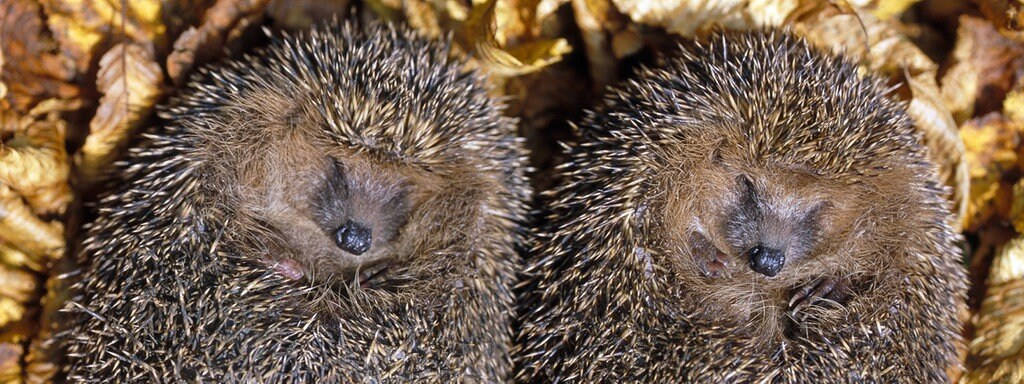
(130, 81)
(227, 19)
(31, 66)
(997, 350)
(81, 26)
(986, 66)
(991, 143)
(1008, 15)
(34, 160)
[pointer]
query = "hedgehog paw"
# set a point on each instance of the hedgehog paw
(288, 268)
(711, 262)
(833, 290)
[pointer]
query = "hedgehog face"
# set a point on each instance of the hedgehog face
(362, 211)
(765, 230)
(330, 215)
(758, 226)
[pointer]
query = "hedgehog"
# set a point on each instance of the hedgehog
(345, 205)
(751, 209)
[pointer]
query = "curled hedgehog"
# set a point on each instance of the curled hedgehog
(753, 210)
(344, 205)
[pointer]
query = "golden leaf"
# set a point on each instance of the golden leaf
(522, 59)
(997, 350)
(80, 26)
(31, 67)
(130, 80)
(991, 144)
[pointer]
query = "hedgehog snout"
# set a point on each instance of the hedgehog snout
(354, 237)
(766, 261)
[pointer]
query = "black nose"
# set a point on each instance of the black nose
(354, 238)
(766, 261)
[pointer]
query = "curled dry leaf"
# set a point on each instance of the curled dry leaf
(18, 291)
(130, 80)
(25, 231)
(1008, 15)
(34, 181)
(996, 352)
(31, 68)
(10, 362)
(225, 21)
(16, 258)
(81, 26)
(985, 67)
(505, 35)
(991, 143)
(527, 57)
(34, 159)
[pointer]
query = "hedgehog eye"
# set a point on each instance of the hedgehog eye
(329, 200)
(336, 179)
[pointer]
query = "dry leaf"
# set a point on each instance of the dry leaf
(35, 161)
(504, 35)
(10, 362)
(528, 57)
(986, 66)
(31, 68)
(991, 144)
(16, 258)
(34, 181)
(997, 350)
(224, 22)
(1008, 15)
(130, 80)
(81, 26)
(25, 231)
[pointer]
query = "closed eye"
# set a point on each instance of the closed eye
(329, 202)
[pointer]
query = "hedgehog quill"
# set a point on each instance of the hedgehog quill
(344, 205)
(754, 210)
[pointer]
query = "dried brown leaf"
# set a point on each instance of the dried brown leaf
(991, 142)
(18, 285)
(986, 66)
(34, 161)
(31, 68)
(225, 21)
(687, 18)
(10, 362)
(505, 35)
(997, 350)
(130, 80)
(1007, 15)
(483, 22)
(81, 26)
(25, 231)
(17, 258)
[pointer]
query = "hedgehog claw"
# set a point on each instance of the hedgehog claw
(826, 288)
